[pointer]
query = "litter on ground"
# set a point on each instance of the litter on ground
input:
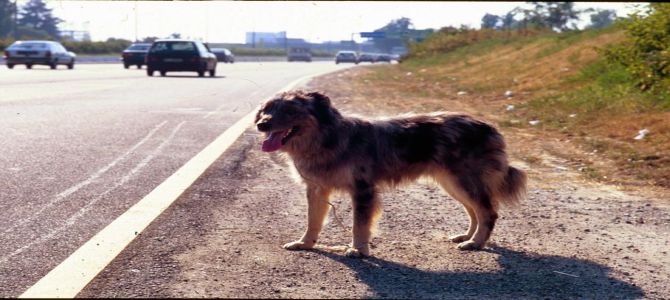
(642, 134)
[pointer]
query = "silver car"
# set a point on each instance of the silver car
(31, 53)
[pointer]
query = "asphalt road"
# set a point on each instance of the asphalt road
(79, 147)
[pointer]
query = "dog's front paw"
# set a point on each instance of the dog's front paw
(469, 245)
(459, 238)
(298, 245)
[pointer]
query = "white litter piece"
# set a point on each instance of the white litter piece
(408, 74)
(534, 122)
(510, 107)
(642, 133)
(461, 93)
(572, 115)
(509, 94)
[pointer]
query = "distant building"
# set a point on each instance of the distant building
(264, 38)
(76, 35)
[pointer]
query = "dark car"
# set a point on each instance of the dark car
(31, 53)
(224, 55)
(384, 57)
(180, 55)
(135, 55)
(346, 56)
(369, 57)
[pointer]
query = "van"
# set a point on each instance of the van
(299, 54)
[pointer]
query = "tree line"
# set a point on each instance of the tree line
(33, 20)
(557, 16)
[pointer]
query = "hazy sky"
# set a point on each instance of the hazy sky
(227, 21)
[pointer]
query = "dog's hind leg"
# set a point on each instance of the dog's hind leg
(486, 220)
(318, 207)
(459, 238)
(367, 210)
(475, 197)
(453, 189)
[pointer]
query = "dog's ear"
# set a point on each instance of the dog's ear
(319, 98)
(322, 108)
(259, 111)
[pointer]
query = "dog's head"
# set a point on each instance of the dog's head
(291, 116)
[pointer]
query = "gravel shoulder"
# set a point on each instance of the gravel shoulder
(572, 238)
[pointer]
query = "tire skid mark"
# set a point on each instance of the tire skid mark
(76, 216)
(64, 194)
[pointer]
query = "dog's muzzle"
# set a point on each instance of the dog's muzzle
(263, 126)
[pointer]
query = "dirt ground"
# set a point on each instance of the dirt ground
(572, 238)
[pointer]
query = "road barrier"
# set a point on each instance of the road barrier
(116, 59)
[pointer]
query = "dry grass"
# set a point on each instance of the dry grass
(594, 142)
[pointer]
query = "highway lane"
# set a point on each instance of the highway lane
(79, 147)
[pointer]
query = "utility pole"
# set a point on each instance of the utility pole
(136, 40)
(16, 20)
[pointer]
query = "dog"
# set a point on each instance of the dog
(332, 152)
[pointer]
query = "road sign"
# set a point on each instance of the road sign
(374, 34)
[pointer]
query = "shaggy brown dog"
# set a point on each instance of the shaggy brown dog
(332, 152)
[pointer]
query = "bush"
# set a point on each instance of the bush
(274, 52)
(646, 51)
(5, 43)
(111, 46)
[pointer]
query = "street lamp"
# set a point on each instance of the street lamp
(16, 20)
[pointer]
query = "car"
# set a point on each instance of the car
(180, 55)
(384, 57)
(367, 57)
(224, 55)
(135, 54)
(299, 54)
(31, 53)
(346, 56)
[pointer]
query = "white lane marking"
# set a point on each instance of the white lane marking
(80, 213)
(64, 194)
(68, 278)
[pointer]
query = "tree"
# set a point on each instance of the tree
(491, 21)
(555, 15)
(37, 16)
(508, 21)
(149, 39)
(396, 34)
(646, 50)
(6, 18)
(602, 18)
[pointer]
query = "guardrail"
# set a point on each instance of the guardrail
(116, 59)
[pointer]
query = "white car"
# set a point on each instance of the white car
(31, 53)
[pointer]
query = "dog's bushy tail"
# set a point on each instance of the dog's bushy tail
(513, 188)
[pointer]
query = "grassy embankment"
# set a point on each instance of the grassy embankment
(559, 79)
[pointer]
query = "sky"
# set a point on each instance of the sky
(314, 21)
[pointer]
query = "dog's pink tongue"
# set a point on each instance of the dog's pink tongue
(273, 142)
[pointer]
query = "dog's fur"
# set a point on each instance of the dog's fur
(332, 152)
